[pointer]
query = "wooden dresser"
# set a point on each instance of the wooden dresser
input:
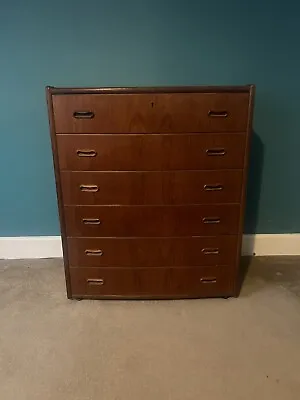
(151, 189)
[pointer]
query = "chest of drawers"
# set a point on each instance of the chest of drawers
(151, 189)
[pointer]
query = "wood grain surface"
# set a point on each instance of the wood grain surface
(151, 113)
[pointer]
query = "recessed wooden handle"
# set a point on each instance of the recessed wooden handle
(93, 252)
(213, 187)
(91, 221)
(83, 114)
(208, 279)
(89, 188)
(216, 152)
(211, 220)
(210, 251)
(218, 114)
(97, 282)
(86, 153)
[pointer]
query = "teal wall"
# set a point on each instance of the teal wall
(143, 42)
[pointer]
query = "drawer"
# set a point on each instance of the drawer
(152, 187)
(151, 113)
(152, 252)
(151, 282)
(151, 221)
(151, 152)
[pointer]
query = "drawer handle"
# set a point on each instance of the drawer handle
(91, 221)
(98, 282)
(216, 152)
(83, 114)
(86, 153)
(218, 114)
(91, 252)
(208, 279)
(210, 251)
(211, 220)
(89, 188)
(213, 187)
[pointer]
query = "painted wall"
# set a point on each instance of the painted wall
(142, 42)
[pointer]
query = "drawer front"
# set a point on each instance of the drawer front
(152, 252)
(151, 221)
(151, 152)
(152, 113)
(151, 282)
(166, 187)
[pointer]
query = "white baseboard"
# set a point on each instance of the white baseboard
(50, 246)
(287, 244)
(30, 247)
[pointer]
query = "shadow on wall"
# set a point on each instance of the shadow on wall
(255, 169)
(256, 162)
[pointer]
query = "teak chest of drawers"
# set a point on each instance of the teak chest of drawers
(151, 189)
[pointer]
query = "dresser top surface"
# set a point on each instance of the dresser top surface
(154, 89)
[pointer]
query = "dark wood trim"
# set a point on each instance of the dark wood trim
(167, 89)
(58, 191)
(236, 274)
(147, 297)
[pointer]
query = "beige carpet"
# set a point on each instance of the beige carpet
(54, 348)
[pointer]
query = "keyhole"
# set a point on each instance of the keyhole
(152, 104)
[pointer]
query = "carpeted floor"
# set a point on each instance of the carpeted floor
(52, 348)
